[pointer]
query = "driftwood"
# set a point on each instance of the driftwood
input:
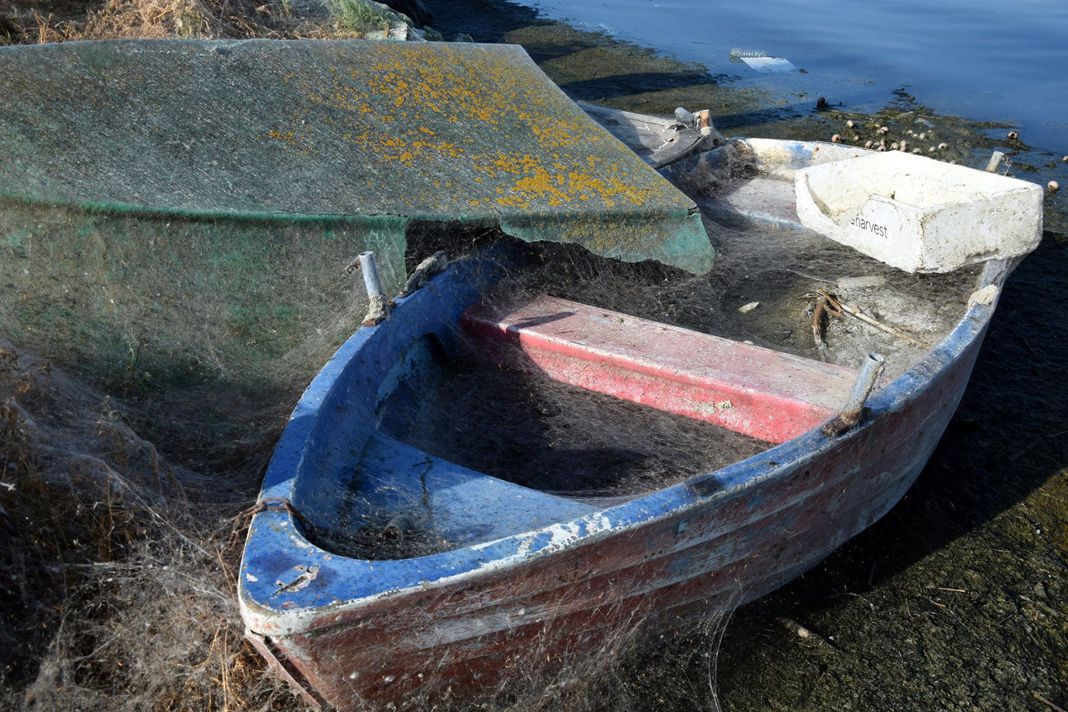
(430, 266)
(820, 311)
(683, 143)
(658, 141)
(854, 311)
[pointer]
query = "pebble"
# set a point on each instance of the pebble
(1053, 186)
(916, 150)
(943, 146)
(746, 308)
(1065, 159)
(850, 123)
(869, 143)
(836, 139)
(884, 130)
(1013, 135)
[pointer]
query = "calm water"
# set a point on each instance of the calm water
(992, 60)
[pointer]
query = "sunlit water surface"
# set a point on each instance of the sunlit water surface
(990, 60)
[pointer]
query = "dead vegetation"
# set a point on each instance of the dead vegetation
(23, 22)
(122, 521)
(118, 590)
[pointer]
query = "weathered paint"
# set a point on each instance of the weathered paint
(369, 629)
(766, 394)
(272, 131)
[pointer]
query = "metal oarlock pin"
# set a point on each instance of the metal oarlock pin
(853, 410)
(378, 304)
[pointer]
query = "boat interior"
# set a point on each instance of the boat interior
(572, 382)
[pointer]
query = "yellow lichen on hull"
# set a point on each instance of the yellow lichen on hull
(420, 130)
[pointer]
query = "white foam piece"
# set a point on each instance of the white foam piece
(919, 214)
(769, 65)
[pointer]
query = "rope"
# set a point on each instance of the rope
(271, 504)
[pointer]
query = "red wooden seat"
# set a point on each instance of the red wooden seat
(752, 390)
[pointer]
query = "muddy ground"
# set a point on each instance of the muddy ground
(957, 599)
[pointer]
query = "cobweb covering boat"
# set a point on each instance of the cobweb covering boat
(200, 200)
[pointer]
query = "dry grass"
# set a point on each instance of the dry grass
(59, 21)
(119, 590)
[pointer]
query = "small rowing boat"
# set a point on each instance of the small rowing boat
(385, 549)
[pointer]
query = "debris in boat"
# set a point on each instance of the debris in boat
(694, 132)
(984, 296)
(853, 410)
(683, 143)
(836, 304)
(399, 528)
(996, 159)
(685, 116)
(704, 122)
(820, 311)
(426, 269)
(1053, 186)
(919, 214)
(746, 308)
(761, 61)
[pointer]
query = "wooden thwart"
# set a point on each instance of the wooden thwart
(755, 391)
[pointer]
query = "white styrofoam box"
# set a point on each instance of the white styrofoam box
(919, 214)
